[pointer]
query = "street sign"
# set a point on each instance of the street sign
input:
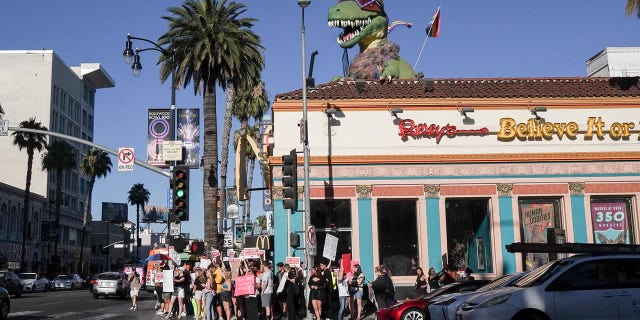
(174, 229)
(228, 239)
(126, 158)
(312, 243)
(172, 150)
(169, 198)
(4, 127)
(118, 245)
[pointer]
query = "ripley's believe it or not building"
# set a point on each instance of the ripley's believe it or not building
(408, 172)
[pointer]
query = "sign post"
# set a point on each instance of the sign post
(312, 243)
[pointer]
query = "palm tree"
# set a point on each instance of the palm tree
(60, 156)
(633, 8)
(211, 46)
(139, 196)
(30, 141)
(95, 164)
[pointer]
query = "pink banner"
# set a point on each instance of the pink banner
(245, 285)
(609, 222)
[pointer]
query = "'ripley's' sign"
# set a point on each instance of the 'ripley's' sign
(533, 129)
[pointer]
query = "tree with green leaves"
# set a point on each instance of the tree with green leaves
(95, 164)
(138, 196)
(59, 157)
(31, 142)
(211, 45)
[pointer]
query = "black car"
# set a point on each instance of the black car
(11, 282)
(5, 304)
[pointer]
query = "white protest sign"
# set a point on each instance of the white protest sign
(293, 261)
(330, 247)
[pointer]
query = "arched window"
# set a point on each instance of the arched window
(13, 231)
(4, 221)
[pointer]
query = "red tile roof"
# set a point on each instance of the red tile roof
(583, 87)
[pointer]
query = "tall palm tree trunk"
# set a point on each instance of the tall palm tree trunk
(210, 181)
(226, 133)
(25, 211)
(59, 199)
(137, 231)
(87, 209)
(252, 165)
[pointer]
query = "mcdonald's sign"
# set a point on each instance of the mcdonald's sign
(262, 242)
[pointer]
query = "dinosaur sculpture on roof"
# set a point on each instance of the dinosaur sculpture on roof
(364, 22)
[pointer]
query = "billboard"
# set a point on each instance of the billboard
(159, 130)
(155, 214)
(115, 212)
(189, 134)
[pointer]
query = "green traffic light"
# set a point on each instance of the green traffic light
(179, 193)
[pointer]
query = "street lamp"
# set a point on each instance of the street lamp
(130, 56)
(306, 218)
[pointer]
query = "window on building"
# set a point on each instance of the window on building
(4, 220)
(398, 236)
(332, 217)
(612, 220)
(536, 216)
(469, 234)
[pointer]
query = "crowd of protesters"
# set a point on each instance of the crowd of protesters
(278, 293)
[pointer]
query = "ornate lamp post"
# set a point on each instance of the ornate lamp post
(133, 58)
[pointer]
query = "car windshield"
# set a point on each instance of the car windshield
(108, 276)
(26, 276)
(542, 273)
(64, 278)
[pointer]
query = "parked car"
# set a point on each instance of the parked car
(5, 304)
(579, 287)
(67, 281)
(10, 281)
(445, 306)
(111, 283)
(33, 282)
(412, 309)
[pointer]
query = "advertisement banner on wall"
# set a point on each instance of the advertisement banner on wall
(115, 212)
(189, 134)
(610, 222)
(155, 214)
(159, 130)
(535, 219)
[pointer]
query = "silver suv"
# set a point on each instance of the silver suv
(603, 286)
(111, 284)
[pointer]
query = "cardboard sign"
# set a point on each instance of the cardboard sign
(346, 262)
(250, 253)
(245, 285)
(167, 281)
(330, 247)
(293, 261)
(204, 263)
(215, 253)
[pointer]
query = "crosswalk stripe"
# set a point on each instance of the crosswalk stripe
(104, 316)
(23, 313)
(62, 315)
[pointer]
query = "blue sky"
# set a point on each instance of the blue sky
(478, 39)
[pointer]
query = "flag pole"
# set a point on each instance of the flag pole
(420, 54)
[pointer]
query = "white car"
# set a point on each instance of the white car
(578, 287)
(445, 307)
(67, 281)
(33, 282)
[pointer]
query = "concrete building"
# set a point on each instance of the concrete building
(437, 172)
(615, 62)
(38, 84)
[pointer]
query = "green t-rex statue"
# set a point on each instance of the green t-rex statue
(365, 22)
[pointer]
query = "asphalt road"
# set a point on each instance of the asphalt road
(79, 305)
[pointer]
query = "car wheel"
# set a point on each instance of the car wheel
(4, 310)
(412, 314)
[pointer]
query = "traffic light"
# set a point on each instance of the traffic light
(290, 181)
(294, 240)
(197, 247)
(180, 186)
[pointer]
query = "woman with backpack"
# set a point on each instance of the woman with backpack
(134, 283)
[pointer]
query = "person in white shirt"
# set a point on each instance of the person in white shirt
(267, 290)
(343, 291)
